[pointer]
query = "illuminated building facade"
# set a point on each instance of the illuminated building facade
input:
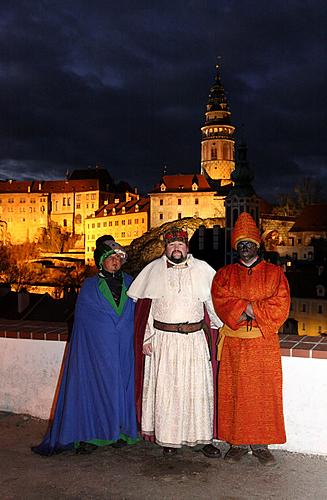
(124, 220)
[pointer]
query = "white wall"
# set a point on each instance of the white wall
(29, 371)
(305, 404)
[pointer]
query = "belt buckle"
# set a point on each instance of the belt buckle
(180, 327)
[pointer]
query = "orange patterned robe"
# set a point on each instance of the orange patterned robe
(250, 406)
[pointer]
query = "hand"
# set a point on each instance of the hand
(147, 349)
(249, 311)
(242, 317)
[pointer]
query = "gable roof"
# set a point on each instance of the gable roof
(182, 182)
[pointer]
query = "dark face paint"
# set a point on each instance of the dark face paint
(247, 250)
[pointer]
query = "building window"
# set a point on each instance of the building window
(179, 215)
(110, 223)
(196, 201)
(93, 225)
(179, 201)
(136, 221)
(123, 222)
(65, 222)
(319, 309)
(78, 205)
(78, 219)
(68, 202)
(161, 202)
(142, 220)
(104, 224)
(123, 234)
(116, 222)
(98, 224)
(161, 216)
(93, 196)
(304, 308)
(129, 222)
(64, 202)
(78, 197)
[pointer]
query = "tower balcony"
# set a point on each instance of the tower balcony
(218, 135)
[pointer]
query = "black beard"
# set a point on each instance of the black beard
(177, 260)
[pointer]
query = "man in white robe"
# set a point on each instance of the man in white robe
(177, 398)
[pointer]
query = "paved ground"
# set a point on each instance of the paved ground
(141, 472)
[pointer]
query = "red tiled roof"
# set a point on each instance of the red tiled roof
(143, 204)
(58, 186)
(312, 218)
(183, 182)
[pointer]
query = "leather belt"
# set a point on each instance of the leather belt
(184, 328)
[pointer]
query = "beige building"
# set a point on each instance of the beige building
(28, 208)
(24, 211)
(124, 220)
(184, 195)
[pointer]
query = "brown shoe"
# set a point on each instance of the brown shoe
(264, 456)
(235, 453)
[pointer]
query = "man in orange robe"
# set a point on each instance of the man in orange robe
(252, 299)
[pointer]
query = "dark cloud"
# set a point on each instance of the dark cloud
(124, 85)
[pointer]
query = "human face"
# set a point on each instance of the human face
(176, 251)
(247, 250)
(112, 264)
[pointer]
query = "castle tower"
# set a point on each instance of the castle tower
(217, 145)
(241, 198)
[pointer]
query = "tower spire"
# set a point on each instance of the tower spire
(217, 145)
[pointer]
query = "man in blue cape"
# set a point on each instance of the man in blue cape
(96, 404)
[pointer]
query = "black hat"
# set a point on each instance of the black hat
(106, 246)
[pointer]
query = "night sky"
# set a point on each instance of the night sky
(124, 85)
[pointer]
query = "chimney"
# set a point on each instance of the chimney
(23, 300)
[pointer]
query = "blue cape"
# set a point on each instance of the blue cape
(96, 394)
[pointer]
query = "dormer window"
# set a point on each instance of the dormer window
(105, 212)
(195, 187)
(320, 291)
(123, 210)
(163, 187)
(114, 211)
(136, 208)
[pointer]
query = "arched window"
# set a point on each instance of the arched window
(226, 151)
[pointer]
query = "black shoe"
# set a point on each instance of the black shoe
(168, 452)
(264, 456)
(119, 444)
(235, 454)
(86, 448)
(210, 451)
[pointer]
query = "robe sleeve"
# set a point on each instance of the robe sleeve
(271, 312)
(227, 305)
